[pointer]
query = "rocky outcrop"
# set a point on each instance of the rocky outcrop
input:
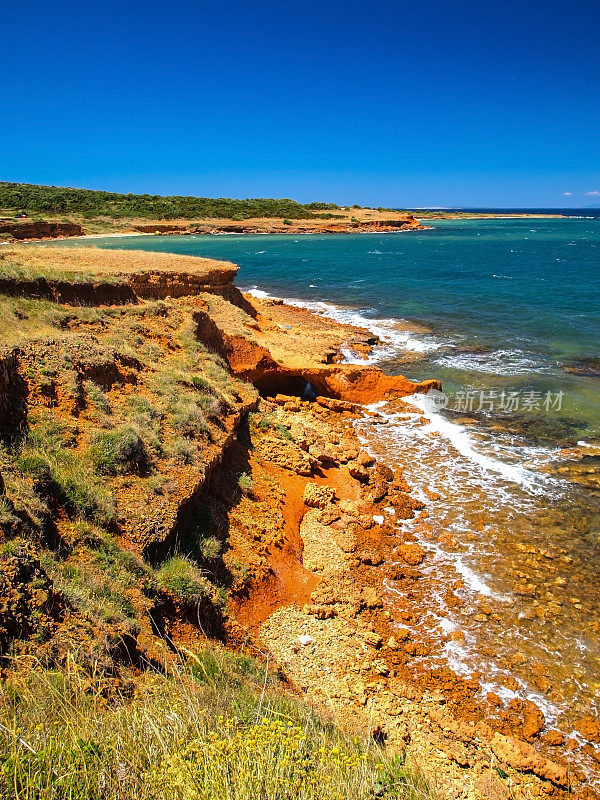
(302, 226)
(39, 230)
(253, 362)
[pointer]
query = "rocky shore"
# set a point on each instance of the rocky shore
(301, 519)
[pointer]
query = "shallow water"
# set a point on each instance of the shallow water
(513, 540)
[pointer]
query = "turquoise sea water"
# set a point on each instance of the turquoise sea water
(509, 303)
(503, 308)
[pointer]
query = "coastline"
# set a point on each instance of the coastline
(318, 529)
(443, 721)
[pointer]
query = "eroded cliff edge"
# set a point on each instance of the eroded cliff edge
(162, 481)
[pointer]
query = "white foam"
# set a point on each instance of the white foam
(387, 330)
(459, 437)
(496, 362)
(259, 293)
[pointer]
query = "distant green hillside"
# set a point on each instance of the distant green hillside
(55, 200)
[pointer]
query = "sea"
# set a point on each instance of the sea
(506, 313)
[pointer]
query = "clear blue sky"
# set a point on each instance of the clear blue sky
(388, 103)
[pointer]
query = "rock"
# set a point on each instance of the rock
(365, 460)
(402, 634)
(379, 490)
(523, 757)
(390, 704)
(320, 611)
(384, 472)
(589, 728)
(380, 667)
(287, 455)
(370, 557)
(282, 399)
(305, 640)
(373, 639)
(359, 472)
(336, 405)
(372, 598)
(494, 699)
(533, 720)
(413, 554)
(316, 496)
(329, 515)
(553, 738)
(324, 454)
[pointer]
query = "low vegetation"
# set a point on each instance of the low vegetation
(118, 415)
(218, 728)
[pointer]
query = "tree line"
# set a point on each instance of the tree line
(56, 200)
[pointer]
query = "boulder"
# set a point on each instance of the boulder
(413, 554)
(524, 758)
(316, 496)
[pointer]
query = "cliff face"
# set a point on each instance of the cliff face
(162, 483)
(18, 229)
(122, 418)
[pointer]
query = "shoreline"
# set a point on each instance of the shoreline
(375, 685)
(316, 528)
(366, 222)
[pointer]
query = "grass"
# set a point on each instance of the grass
(119, 452)
(219, 727)
(246, 483)
(47, 458)
(182, 578)
(93, 264)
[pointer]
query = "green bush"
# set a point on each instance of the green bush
(59, 201)
(180, 576)
(182, 451)
(119, 452)
(246, 483)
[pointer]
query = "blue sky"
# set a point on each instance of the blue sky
(387, 103)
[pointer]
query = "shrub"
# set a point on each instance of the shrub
(188, 418)
(66, 475)
(203, 385)
(161, 484)
(97, 397)
(287, 222)
(82, 493)
(210, 548)
(120, 452)
(246, 483)
(182, 450)
(181, 577)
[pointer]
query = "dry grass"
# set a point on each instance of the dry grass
(220, 728)
(86, 264)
